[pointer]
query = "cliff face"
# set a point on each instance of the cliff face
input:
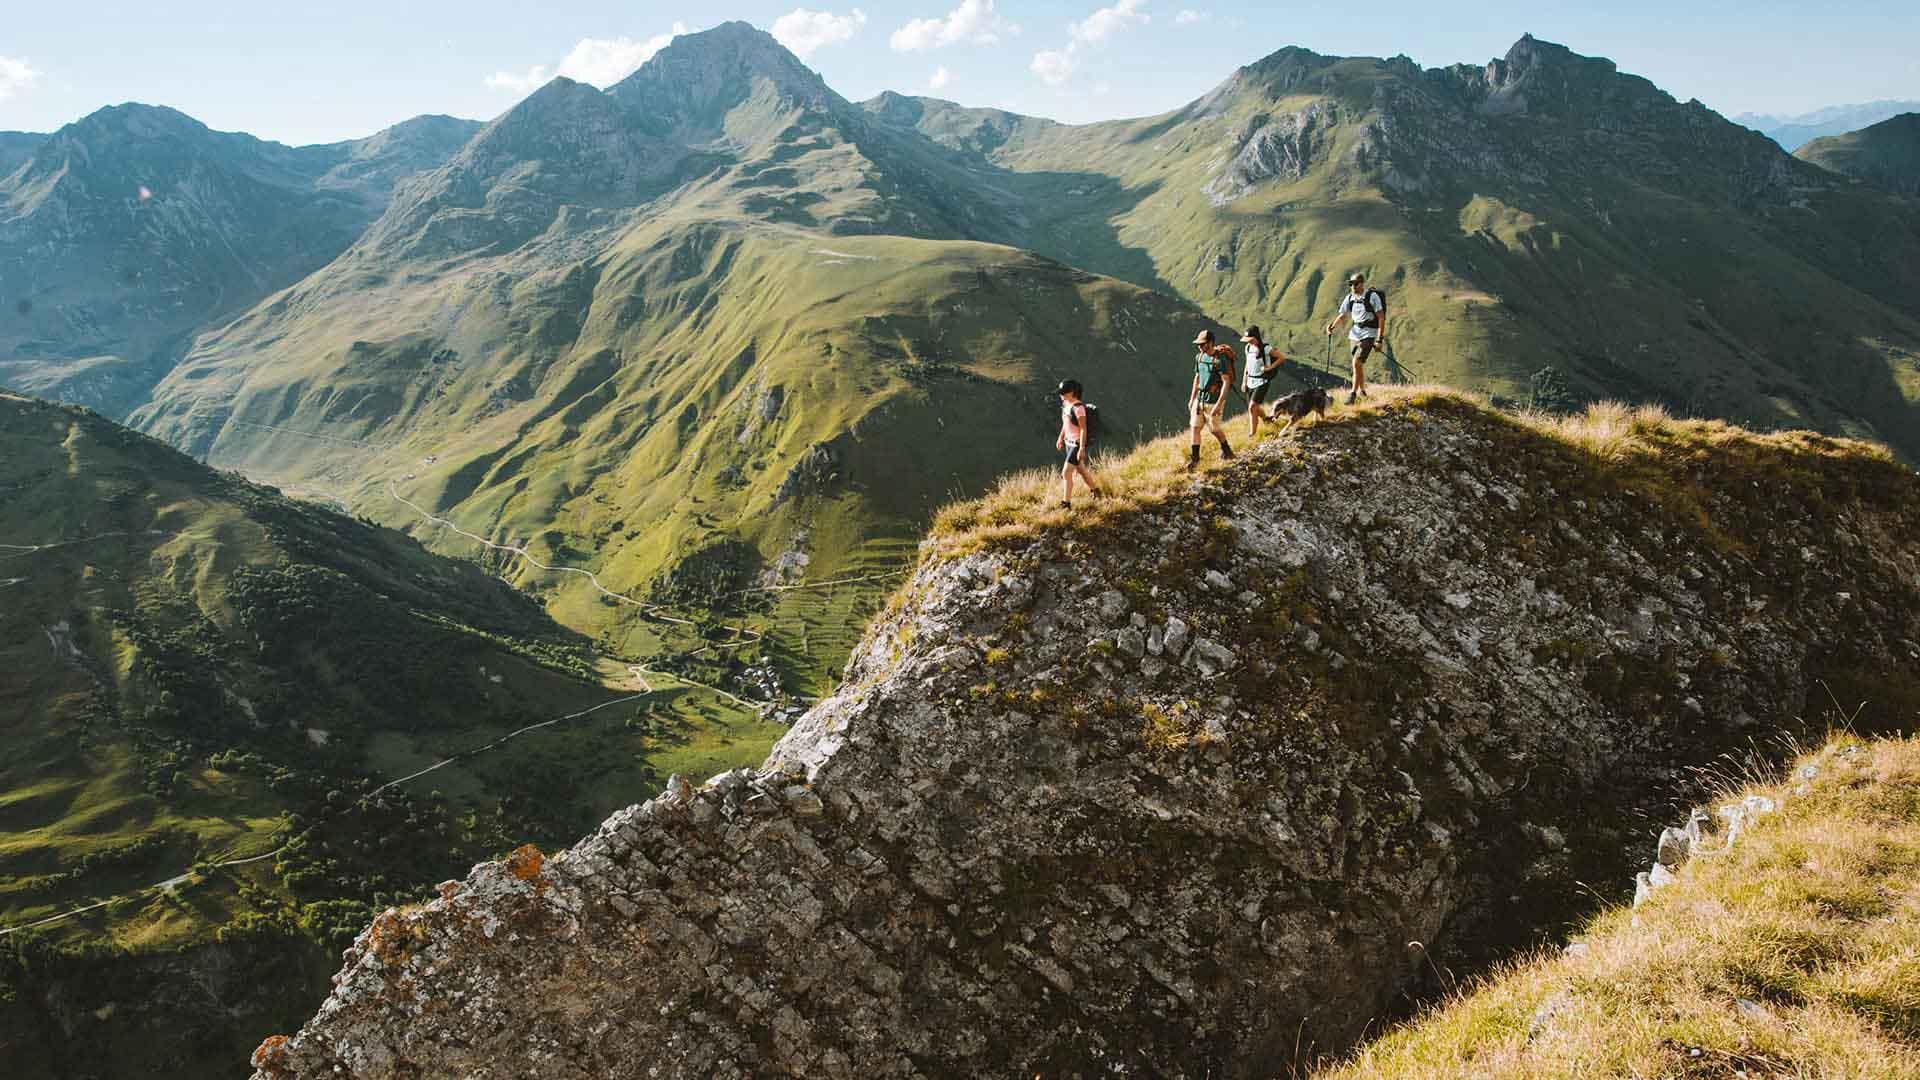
(1173, 795)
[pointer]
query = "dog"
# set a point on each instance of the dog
(1299, 403)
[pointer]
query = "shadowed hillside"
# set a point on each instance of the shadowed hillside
(125, 233)
(202, 686)
(1886, 155)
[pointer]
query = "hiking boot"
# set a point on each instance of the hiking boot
(1064, 505)
(1352, 397)
(1226, 453)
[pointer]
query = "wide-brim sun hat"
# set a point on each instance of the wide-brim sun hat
(1203, 337)
(1253, 334)
(1351, 278)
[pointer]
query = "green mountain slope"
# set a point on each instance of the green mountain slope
(599, 333)
(197, 670)
(1544, 210)
(125, 233)
(159, 615)
(1886, 155)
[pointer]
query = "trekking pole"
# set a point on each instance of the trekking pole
(1400, 370)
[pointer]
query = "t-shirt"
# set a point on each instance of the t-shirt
(1259, 367)
(1356, 308)
(1210, 367)
(1073, 419)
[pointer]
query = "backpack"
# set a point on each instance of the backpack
(1223, 359)
(1089, 423)
(1372, 317)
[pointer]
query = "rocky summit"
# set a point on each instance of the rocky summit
(1188, 788)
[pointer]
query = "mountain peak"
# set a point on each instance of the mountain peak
(717, 67)
(135, 119)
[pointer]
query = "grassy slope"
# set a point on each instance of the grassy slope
(108, 289)
(189, 635)
(1886, 155)
(1793, 954)
(629, 410)
(166, 680)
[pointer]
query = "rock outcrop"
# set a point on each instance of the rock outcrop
(1180, 795)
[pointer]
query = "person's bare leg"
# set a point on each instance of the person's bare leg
(1066, 483)
(1086, 476)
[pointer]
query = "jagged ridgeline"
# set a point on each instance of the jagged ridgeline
(1544, 210)
(125, 234)
(1199, 783)
(194, 670)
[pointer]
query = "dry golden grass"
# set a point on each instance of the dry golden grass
(1795, 954)
(1643, 440)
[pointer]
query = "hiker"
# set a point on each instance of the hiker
(1076, 430)
(1263, 363)
(1212, 377)
(1367, 310)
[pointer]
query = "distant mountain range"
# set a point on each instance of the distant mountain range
(1793, 132)
(124, 234)
(718, 308)
(1886, 154)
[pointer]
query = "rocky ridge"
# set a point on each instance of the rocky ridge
(1172, 796)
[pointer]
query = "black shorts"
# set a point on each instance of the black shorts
(1257, 391)
(1363, 348)
(1073, 455)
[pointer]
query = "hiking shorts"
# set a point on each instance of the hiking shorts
(1257, 390)
(1073, 455)
(1363, 348)
(1202, 414)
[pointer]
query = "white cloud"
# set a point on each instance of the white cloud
(1188, 16)
(1097, 26)
(805, 31)
(974, 22)
(941, 77)
(1054, 66)
(16, 76)
(595, 61)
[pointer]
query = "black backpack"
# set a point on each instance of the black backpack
(1089, 422)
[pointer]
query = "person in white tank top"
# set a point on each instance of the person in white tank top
(1263, 363)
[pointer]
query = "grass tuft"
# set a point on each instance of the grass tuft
(1797, 953)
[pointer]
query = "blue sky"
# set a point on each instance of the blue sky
(344, 68)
